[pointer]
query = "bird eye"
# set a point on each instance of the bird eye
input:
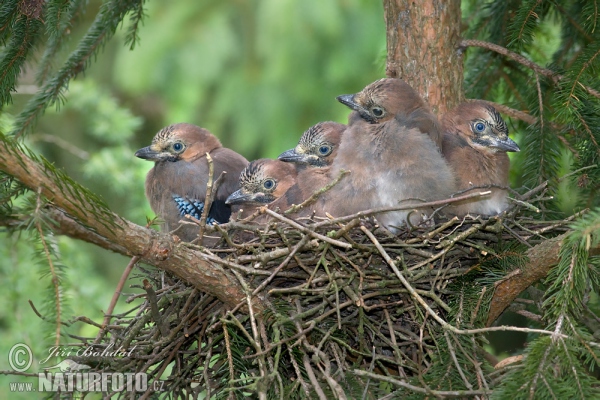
(377, 111)
(324, 150)
(177, 146)
(269, 184)
(479, 127)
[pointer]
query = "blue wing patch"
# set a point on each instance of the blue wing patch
(193, 208)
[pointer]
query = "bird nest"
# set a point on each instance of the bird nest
(346, 301)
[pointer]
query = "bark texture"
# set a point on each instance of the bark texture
(423, 40)
(542, 258)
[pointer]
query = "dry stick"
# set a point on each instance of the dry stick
(115, 297)
(439, 319)
(153, 301)
(209, 195)
(305, 230)
(522, 60)
(436, 203)
(562, 178)
(298, 373)
(313, 378)
(285, 262)
(162, 369)
(315, 195)
(456, 364)
(418, 389)
(204, 215)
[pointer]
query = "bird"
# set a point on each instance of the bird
(176, 184)
(475, 145)
(389, 98)
(317, 148)
(391, 154)
(266, 182)
(318, 145)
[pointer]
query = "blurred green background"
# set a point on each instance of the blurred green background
(257, 73)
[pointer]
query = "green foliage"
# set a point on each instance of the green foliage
(562, 38)
(109, 17)
(551, 369)
(577, 273)
(257, 73)
(25, 31)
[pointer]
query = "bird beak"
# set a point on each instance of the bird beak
(348, 100)
(292, 156)
(239, 197)
(148, 153)
(506, 144)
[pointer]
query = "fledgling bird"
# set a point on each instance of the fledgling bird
(266, 182)
(390, 150)
(390, 98)
(314, 156)
(475, 145)
(318, 145)
(176, 185)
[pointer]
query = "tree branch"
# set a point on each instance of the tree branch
(542, 258)
(548, 73)
(80, 217)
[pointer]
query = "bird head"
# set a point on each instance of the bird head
(481, 126)
(318, 145)
(263, 181)
(179, 142)
(383, 100)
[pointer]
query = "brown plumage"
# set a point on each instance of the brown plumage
(318, 145)
(475, 144)
(392, 157)
(390, 98)
(314, 155)
(275, 184)
(266, 182)
(176, 185)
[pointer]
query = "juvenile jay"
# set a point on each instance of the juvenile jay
(176, 185)
(390, 150)
(266, 182)
(475, 145)
(318, 145)
(314, 156)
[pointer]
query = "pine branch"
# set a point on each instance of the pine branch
(86, 221)
(542, 258)
(24, 34)
(58, 19)
(523, 25)
(8, 13)
(109, 17)
(548, 73)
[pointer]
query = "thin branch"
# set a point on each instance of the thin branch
(295, 208)
(82, 217)
(542, 258)
(548, 73)
(305, 230)
(417, 389)
(115, 297)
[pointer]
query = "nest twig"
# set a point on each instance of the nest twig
(349, 303)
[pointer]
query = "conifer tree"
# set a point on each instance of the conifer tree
(498, 52)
